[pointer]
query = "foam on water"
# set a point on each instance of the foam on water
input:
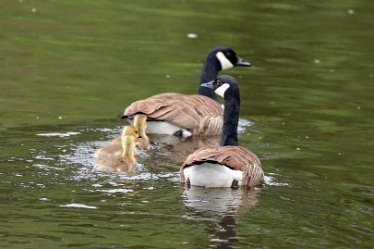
(77, 205)
(269, 180)
(243, 124)
(57, 134)
(113, 191)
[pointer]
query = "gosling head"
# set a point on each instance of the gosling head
(130, 130)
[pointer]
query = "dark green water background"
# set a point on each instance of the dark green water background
(68, 67)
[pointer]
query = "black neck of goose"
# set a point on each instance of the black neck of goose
(210, 72)
(231, 119)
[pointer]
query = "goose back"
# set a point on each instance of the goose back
(234, 157)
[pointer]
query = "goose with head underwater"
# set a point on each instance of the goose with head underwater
(228, 165)
(186, 115)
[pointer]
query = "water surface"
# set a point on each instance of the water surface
(67, 68)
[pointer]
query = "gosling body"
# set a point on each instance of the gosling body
(114, 158)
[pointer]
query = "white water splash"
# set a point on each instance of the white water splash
(46, 167)
(58, 134)
(272, 181)
(114, 191)
(243, 124)
(42, 157)
(146, 176)
(77, 205)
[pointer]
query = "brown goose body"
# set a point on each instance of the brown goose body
(233, 157)
(197, 114)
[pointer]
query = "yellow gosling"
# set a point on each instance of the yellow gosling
(115, 148)
(140, 122)
(120, 154)
(125, 162)
(130, 130)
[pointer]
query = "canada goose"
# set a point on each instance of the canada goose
(186, 115)
(114, 158)
(228, 165)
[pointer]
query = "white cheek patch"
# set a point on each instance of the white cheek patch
(225, 63)
(220, 91)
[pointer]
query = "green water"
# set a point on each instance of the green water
(67, 68)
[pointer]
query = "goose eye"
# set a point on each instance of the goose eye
(218, 83)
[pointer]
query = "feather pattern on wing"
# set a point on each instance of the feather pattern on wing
(199, 114)
(234, 157)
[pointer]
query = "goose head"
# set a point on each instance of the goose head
(225, 58)
(218, 59)
(224, 86)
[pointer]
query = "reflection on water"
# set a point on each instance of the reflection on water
(222, 206)
(207, 201)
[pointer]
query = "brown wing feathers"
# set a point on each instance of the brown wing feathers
(196, 113)
(235, 157)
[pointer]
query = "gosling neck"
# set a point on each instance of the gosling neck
(128, 149)
(142, 133)
(231, 118)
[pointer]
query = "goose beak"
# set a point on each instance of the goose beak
(208, 84)
(120, 116)
(242, 63)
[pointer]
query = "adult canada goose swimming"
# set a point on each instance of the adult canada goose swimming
(114, 158)
(228, 165)
(186, 115)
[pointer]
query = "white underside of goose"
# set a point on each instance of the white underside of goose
(211, 175)
(163, 127)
